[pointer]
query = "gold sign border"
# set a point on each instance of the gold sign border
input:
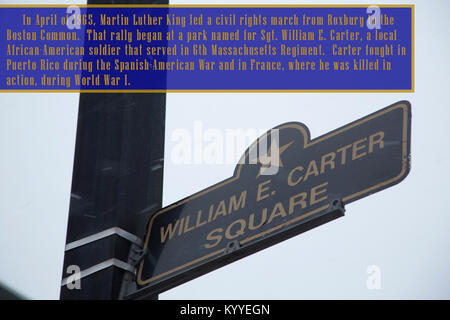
(411, 6)
(404, 105)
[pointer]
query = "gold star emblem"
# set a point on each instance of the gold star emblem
(265, 160)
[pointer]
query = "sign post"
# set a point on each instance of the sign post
(252, 210)
(116, 186)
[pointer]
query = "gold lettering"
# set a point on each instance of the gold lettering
(379, 140)
(343, 152)
(199, 217)
(315, 192)
(262, 189)
(356, 147)
(312, 169)
(278, 211)
(211, 209)
(239, 232)
(186, 225)
(251, 223)
(299, 179)
(294, 202)
(329, 162)
(169, 231)
(233, 206)
(180, 229)
(221, 210)
(212, 237)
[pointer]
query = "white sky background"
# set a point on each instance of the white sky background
(404, 229)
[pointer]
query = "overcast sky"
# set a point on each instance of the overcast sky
(404, 230)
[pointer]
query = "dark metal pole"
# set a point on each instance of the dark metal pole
(117, 183)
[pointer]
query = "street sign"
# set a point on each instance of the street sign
(253, 210)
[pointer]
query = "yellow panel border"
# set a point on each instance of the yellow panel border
(411, 6)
